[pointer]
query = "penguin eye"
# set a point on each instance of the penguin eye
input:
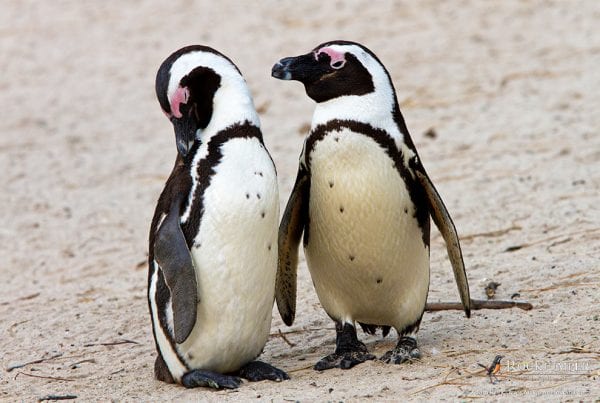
(338, 64)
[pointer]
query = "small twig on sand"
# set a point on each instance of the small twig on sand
(54, 378)
(313, 329)
(477, 304)
(446, 381)
(111, 343)
(289, 343)
(560, 285)
(302, 369)
(552, 238)
(578, 350)
(12, 367)
(57, 397)
(454, 353)
(117, 372)
(490, 234)
(25, 298)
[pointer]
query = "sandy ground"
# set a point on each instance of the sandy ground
(510, 88)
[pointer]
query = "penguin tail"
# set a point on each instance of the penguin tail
(372, 329)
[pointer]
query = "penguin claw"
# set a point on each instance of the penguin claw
(260, 371)
(343, 360)
(405, 350)
(198, 378)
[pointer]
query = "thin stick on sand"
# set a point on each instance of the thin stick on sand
(477, 304)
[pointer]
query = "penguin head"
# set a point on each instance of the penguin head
(335, 69)
(187, 85)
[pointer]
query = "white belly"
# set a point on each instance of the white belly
(235, 256)
(365, 252)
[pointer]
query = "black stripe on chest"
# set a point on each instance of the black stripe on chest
(387, 143)
(206, 170)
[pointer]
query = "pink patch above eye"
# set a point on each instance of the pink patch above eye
(334, 56)
(180, 96)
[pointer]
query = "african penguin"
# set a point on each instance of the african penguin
(363, 200)
(213, 238)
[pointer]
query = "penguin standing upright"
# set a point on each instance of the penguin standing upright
(363, 200)
(213, 238)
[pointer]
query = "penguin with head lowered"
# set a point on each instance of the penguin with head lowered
(213, 238)
(363, 200)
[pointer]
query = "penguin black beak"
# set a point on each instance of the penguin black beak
(283, 69)
(185, 133)
(301, 68)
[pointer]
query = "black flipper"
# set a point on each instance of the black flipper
(443, 221)
(173, 256)
(290, 233)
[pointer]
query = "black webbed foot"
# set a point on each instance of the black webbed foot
(349, 351)
(199, 378)
(405, 350)
(260, 371)
(343, 361)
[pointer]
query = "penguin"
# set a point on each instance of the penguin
(213, 237)
(363, 201)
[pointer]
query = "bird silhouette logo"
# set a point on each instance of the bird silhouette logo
(493, 369)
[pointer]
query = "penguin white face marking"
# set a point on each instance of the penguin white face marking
(191, 84)
(348, 82)
(229, 103)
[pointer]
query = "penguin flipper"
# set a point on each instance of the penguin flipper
(290, 233)
(443, 221)
(175, 260)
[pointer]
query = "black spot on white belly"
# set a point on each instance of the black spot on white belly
(379, 280)
(247, 195)
(190, 356)
(336, 139)
(341, 209)
(258, 195)
(416, 192)
(269, 246)
(262, 214)
(330, 184)
(351, 258)
(405, 210)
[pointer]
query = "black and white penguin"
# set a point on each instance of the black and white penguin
(363, 200)
(213, 239)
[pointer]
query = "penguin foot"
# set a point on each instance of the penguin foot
(198, 378)
(405, 350)
(260, 371)
(349, 351)
(344, 361)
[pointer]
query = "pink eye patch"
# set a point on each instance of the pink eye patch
(180, 96)
(337, 59)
